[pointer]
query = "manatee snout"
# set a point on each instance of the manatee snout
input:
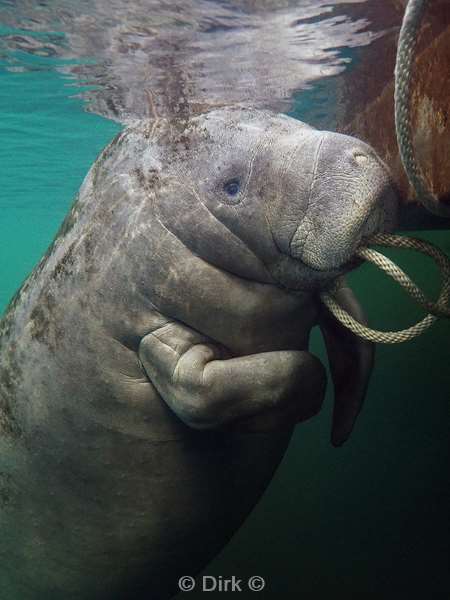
(350, 198)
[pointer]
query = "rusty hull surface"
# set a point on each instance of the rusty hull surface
(367, 100)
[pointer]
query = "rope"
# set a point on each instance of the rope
(440, 308)
(403, 69)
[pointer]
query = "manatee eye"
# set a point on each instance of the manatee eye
(232, 187)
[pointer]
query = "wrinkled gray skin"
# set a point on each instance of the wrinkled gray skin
(154, 364)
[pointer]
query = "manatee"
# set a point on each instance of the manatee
(154, 364)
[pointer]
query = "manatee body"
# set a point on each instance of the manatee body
(155, 362)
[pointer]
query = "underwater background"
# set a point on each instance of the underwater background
(368, 520)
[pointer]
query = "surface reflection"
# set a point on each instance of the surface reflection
(187, 56)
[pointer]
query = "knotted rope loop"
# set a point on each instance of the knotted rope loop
(440, 308)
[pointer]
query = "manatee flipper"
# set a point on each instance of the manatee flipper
(207, 388)
(351, 361)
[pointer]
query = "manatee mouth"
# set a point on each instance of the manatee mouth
(349, 265)
(329, 251)
(317, 268)
(294, 275)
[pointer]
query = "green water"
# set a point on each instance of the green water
(369, 520)
(48, 143)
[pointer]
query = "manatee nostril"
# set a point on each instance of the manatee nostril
(360, 158)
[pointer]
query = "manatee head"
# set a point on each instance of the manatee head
(259, 196)
(268, 197)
